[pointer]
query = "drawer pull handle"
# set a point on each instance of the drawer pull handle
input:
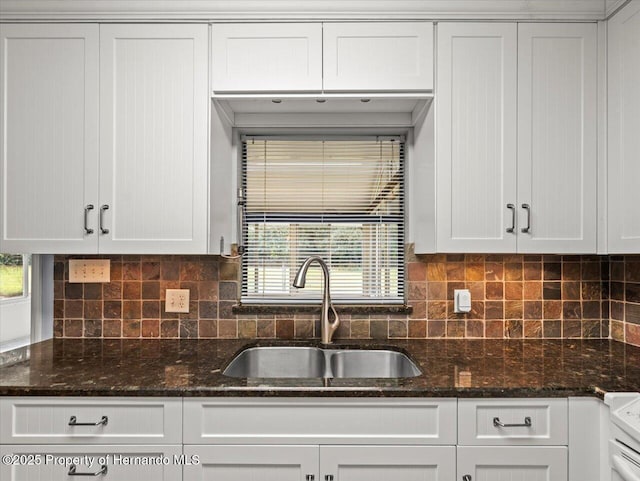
(310, 477)
(328, 477)
(499, 424)
(73, 421)
(73, 472)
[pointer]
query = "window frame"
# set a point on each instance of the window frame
(26, 282)
(319, 134)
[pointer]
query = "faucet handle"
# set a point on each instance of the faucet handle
(333, 326)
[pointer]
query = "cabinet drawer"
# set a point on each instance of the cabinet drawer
(47, 421)
(123, 463)
(513, 463)
(530, 422)
(251, 462)
(319, 421)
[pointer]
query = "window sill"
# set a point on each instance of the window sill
(314, 308)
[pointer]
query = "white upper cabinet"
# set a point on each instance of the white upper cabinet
(316, 57)
(476, 137)
(538, 197)
(557, 138)
(153, 138)
(624, 130)
(269, 57)
(49, 138)
(394, 56)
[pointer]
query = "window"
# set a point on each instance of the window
(15, 275)
(15, 301)
(338, 198)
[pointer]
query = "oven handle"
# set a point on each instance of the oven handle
(622, 467)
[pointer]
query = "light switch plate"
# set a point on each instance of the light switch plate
(461, 301)
(177, 300)
(89, 270)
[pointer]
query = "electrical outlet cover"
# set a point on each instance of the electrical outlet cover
(89, 270)
(177, 300)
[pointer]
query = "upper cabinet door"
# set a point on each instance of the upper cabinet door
(557, 138)
(268, 57)
(476, 137)
(624, 130)
(361, 57)
(49, 138)
(153, 138)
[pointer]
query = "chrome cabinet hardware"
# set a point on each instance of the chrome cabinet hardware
(73, 471)
(102, 209)
(309, 477)
(527, 229)
(73, 421)
(328, 477)
(466, 477)
(527, 423)
(86, 220)
(512, 207)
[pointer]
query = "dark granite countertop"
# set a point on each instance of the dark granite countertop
(451, 368)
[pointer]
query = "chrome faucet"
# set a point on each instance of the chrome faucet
(328, 328)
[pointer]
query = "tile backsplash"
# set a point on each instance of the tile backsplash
(513, 296)
(625, 298)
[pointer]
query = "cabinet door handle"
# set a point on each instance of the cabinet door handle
(310, 477)
(73, 471)
(87, 208)
(73, 421)
(466, 477)
(328, 477)
(102, 209)
(527, 423)
(513, 218)
(527, 229)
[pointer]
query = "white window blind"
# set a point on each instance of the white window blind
(341, 199)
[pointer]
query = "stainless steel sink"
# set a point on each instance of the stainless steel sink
(311, 362)
(278, 362)
(377, 363)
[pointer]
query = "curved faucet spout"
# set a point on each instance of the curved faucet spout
(328, 328)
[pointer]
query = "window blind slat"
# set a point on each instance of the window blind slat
(340, 199)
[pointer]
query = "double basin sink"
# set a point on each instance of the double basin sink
(315, 362)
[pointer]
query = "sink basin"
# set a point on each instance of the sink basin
(311, 362)
(277, 362)
(372, 363)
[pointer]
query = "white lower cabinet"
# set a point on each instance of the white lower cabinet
(382, 463)
(513, 439)
(300, 439)
(493, 463)
(252, 462)
(115, 463)
(307, 463)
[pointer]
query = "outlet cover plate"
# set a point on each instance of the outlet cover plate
(177, 300)
(89, 270)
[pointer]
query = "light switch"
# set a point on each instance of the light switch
(89, 270)
(461, 300)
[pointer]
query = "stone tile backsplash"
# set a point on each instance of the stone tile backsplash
(625, 298)
(514, 296)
